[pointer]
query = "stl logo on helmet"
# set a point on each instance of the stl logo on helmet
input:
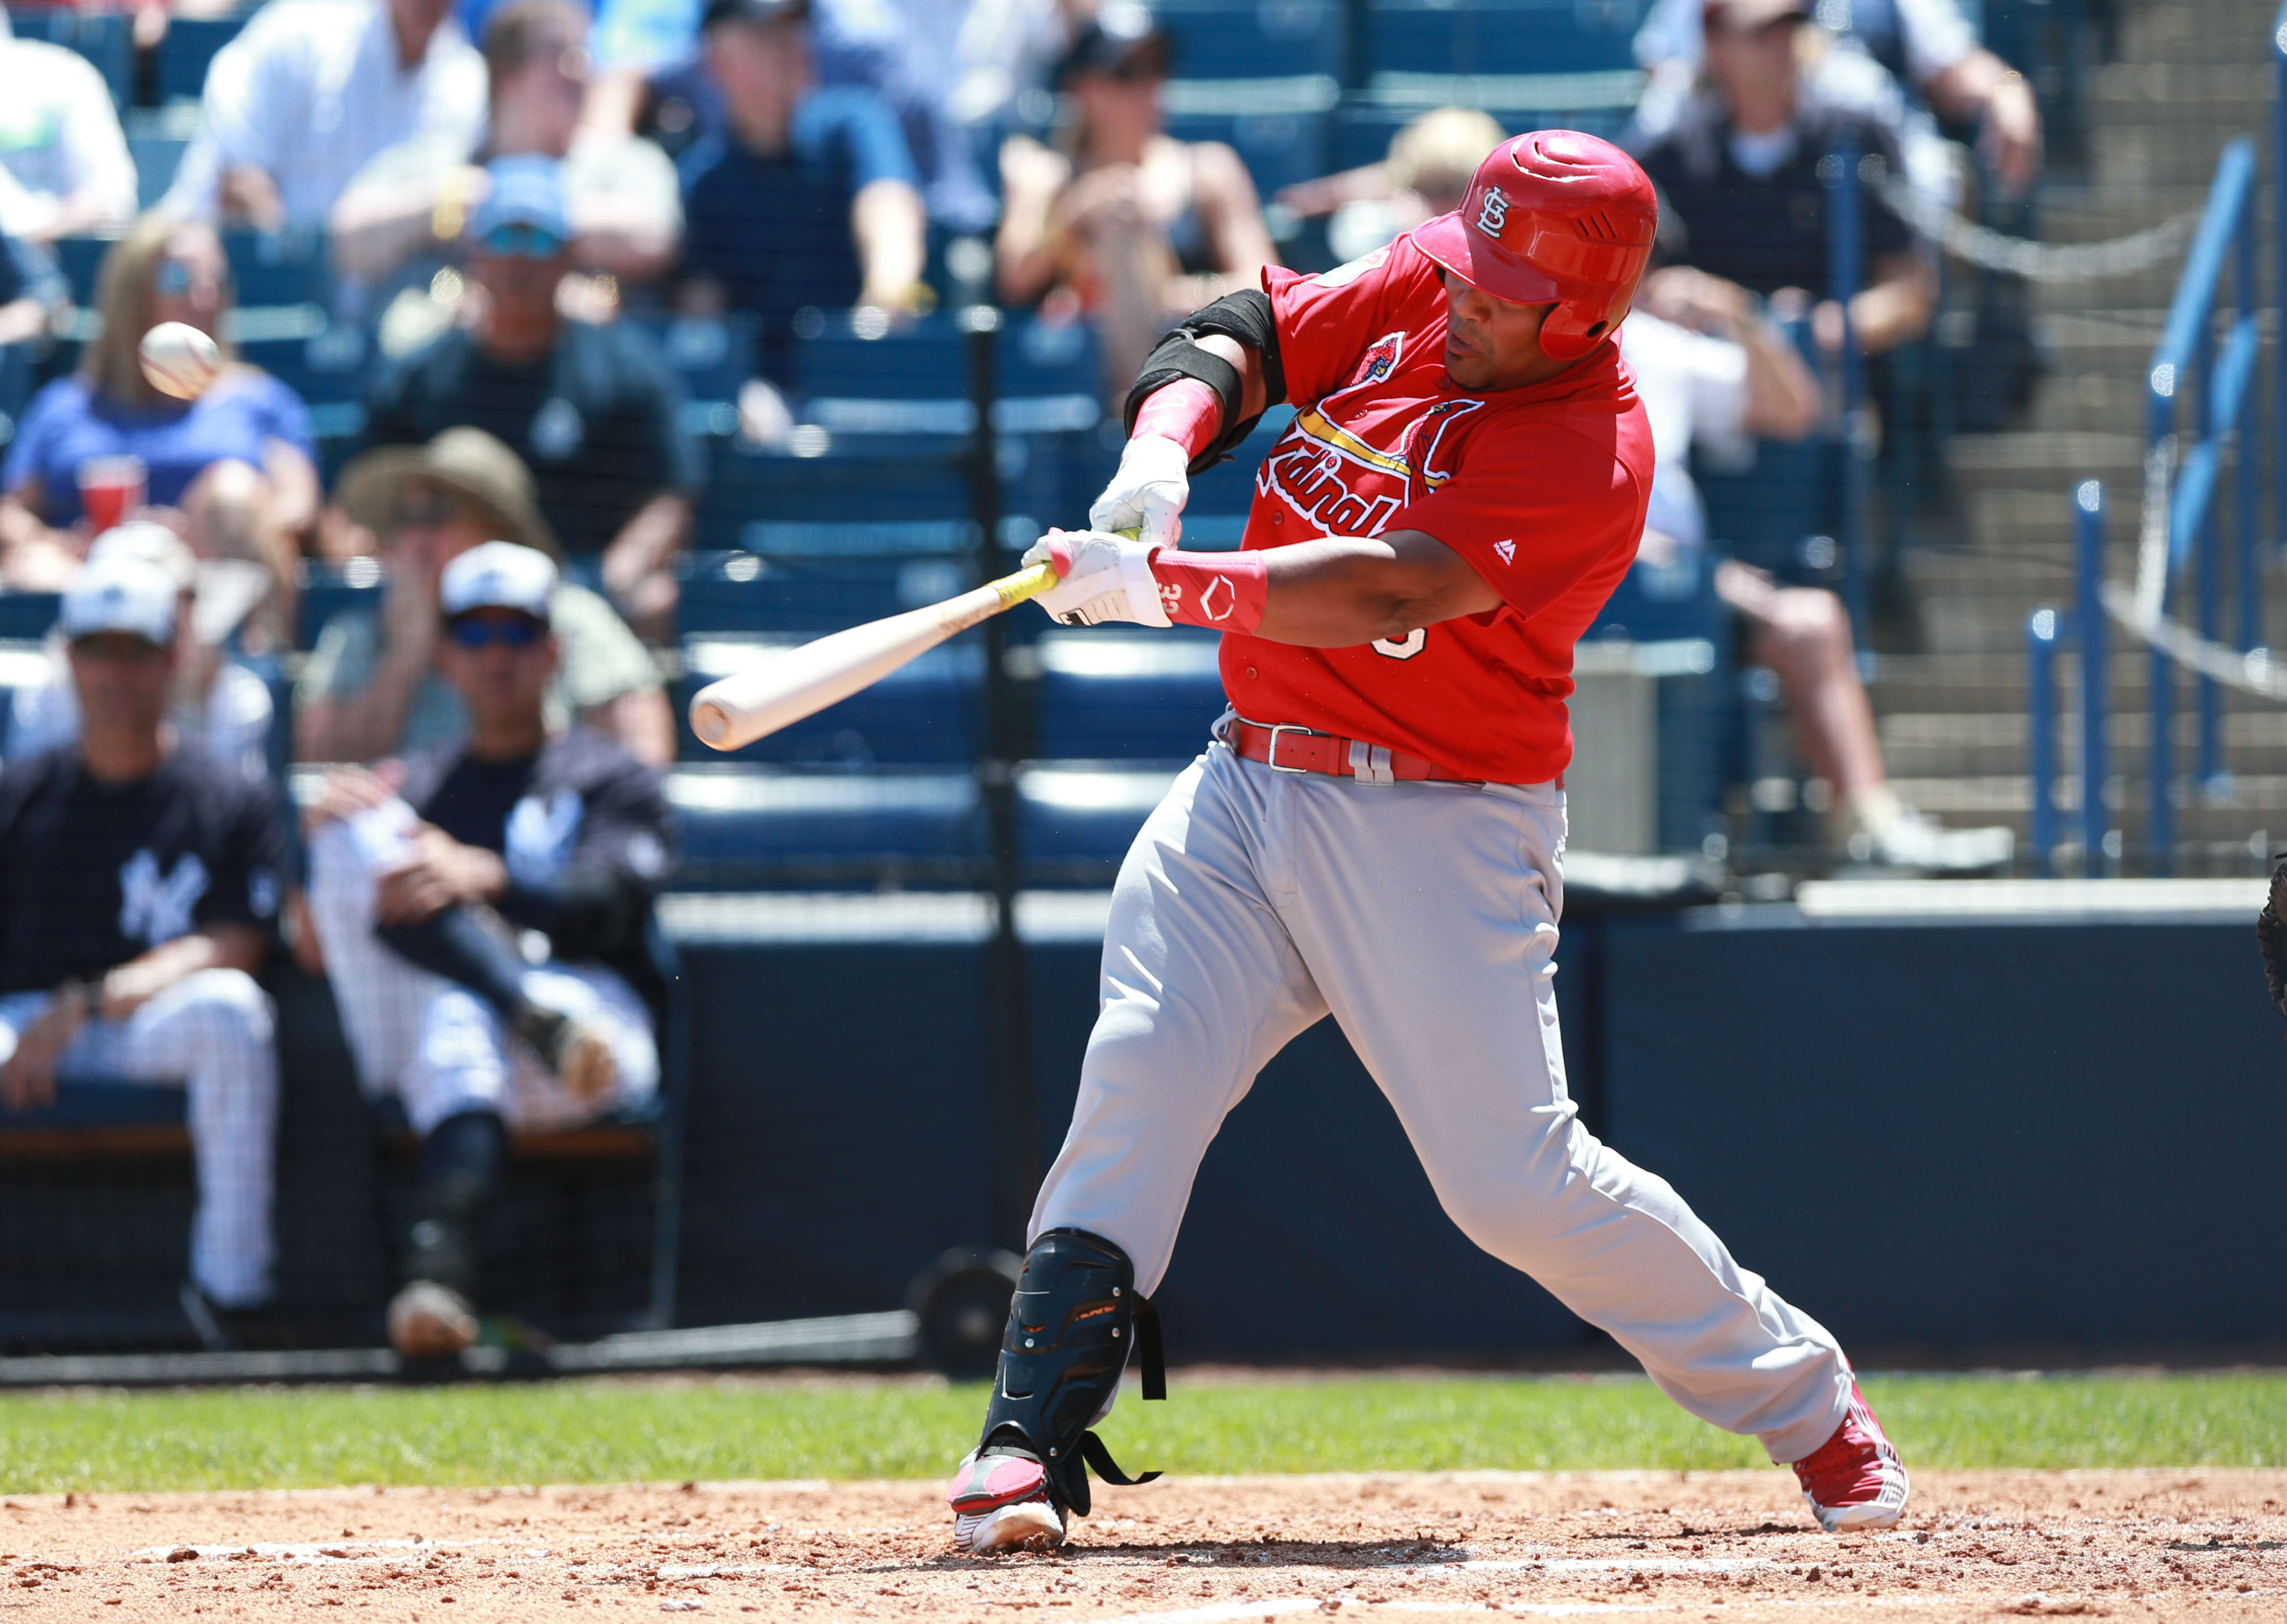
(1492, 212)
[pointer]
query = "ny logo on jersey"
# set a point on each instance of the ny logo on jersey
(1507, 551)
(541, 836)
(156, 907)
(1492, 212)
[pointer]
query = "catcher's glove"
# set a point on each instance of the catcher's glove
(2271, 935)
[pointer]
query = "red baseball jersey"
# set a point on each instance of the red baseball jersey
(1542, 489)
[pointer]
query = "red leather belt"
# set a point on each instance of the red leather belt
(1285, 748)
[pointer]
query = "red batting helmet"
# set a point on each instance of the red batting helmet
(1553, 217)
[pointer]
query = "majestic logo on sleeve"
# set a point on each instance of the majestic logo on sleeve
(1507, 551)
(1492, 212)
(154, 906)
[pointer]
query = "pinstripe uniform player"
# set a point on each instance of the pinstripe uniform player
(1375, 830)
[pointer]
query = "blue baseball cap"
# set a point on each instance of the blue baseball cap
(527, 197)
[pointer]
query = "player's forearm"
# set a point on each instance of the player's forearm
(1345, 590)
(585, 912)
(887, 219)
(220, 946)
(1895, 307)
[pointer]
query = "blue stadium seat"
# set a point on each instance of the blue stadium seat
(880, 481)
(25, 617)
(190, 45)
(105, 38)
(1077, 818)
(749, 828)
(713, 355)
(24, 664)
(821, 581)
(157, 156)
(80, 259)
(284, 267)
(328, 590)
(1279, 127)
(1108, 696)
(1216, 39)
(1500, 36)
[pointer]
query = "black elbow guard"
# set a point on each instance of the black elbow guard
(1242, 317)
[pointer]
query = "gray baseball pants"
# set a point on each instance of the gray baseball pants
(1423, 916)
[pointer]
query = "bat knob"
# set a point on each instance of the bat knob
(710, 723)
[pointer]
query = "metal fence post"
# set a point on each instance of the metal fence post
(2041, 730)
(2247, 569)
(1846, 274)
(2095, 697)
(2279, 272)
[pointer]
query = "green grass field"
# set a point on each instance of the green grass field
(622, 1432)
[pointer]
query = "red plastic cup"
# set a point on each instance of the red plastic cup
(110, 488)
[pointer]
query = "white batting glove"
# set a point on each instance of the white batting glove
(1101, 578)
(1148, 493)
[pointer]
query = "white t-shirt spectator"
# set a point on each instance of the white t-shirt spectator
(1694, 388)
(312, 92)
(60, 140)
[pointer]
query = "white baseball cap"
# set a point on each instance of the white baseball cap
(153, 543)
(498, 576)
(121, 594)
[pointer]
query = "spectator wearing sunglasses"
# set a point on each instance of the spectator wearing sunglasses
(591, 406)
(409, 210)
(421, 882)
(1117, 219)
(372, 687)
(808, 197)
(234, 471)
(312, 92)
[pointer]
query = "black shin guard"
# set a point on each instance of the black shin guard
(461, 1161)
(1071, 1327)
(455, 944)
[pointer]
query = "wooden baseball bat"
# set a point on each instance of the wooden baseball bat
(753, 704)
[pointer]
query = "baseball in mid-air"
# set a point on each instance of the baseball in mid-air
(179, 360)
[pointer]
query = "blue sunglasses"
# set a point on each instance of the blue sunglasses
(518, 241)
(514, 632)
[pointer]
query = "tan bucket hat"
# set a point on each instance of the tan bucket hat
(472, 464)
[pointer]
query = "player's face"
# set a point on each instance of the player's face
(499, 662)
(122, 680)
(1491, 344)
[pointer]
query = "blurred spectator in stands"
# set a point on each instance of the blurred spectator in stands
(1426, 174)
(945, 68)
(371, 687)
(217, 707)
(139, 892)
(1716, 375)
(33, 292)
(410, 207)
(1927, 44)
(65, 170)
(314, 91)
(809, 197)
(592, 406)
(1738, 174)
(1119, 220)
(422, 881)
(235, 472)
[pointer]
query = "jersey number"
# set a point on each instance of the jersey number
(1401, 648)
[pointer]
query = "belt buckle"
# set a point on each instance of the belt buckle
(1271, 758)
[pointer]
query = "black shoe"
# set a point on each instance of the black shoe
(234, 1330)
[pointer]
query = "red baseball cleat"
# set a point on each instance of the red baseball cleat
(1001, 1502)
(1854, 1481)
